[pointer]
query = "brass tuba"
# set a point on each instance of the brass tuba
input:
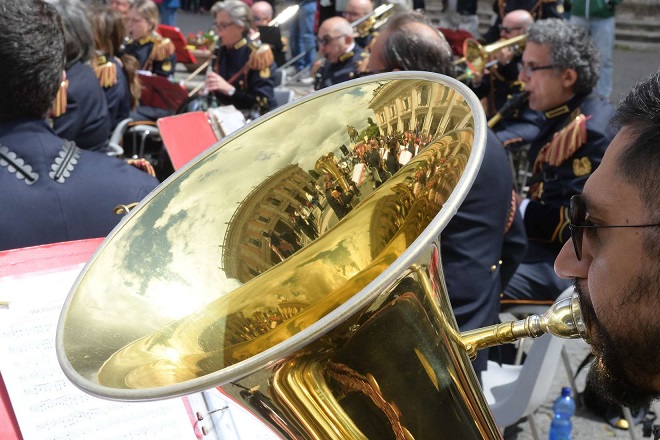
(348, 337)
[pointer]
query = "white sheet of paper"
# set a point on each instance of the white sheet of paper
(46, 404)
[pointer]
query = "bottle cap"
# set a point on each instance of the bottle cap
(565, 391)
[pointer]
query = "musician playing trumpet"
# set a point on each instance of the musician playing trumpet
(343, 56)
(498, 83)
(242, 72)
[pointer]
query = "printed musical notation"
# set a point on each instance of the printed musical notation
(46, 404)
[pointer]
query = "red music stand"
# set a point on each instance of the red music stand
(183, 55)
(159, 92)
(185, 136)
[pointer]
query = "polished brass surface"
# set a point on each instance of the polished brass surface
(477, 56)
(340, 330)
(563, 319)
(372, 22)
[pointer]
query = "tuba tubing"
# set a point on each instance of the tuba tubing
(348, 334)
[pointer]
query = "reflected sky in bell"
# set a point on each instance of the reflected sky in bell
(166, 262)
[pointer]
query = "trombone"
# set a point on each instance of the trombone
(478, 58)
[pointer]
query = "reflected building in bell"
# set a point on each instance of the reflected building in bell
(417, 107)
(268, 209)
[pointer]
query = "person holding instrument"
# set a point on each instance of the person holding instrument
(560, 70)
(342, 56)
(614, 257)
(153, 52)
(242, 73)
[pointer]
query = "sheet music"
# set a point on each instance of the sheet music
(46, 404)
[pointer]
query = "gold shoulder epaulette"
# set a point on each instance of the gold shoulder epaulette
(564, 143)
(106, 72)
(59, 105)
(163, 49)
(261, 58)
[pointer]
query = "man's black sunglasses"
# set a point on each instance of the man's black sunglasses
(578, 223)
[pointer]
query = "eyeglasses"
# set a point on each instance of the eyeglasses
(258, 19)
(222, 26)
(327, 39)
(508, 30)
(578, 223)
(528, 70)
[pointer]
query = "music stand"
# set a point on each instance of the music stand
(159, 92)
(272, 36)
(183, 55)
(455, 38)
(185, 136)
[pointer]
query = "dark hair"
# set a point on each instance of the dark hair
(639, 163)
(78, 39)
(32, 54)
(109, 32)
(414, 44)
(570, 48)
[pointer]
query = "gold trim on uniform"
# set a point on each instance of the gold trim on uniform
(242, 42)
(581, 166)
(557, 112)
(346, 56)
(264, 73)
(106, 72)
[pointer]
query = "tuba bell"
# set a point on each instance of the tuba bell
(350, 336)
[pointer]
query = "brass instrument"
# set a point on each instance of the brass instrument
(478, 58)
(511, 105)
(370, 23)
(350, 337)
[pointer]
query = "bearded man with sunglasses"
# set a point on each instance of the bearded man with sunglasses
(560, 69)
(614, 260)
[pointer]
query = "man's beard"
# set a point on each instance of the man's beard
(626, 364)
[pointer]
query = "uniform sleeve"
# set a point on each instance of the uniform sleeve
(259, 91)
(513, 249)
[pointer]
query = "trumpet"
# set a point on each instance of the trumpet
(370, 23)
(478, 58)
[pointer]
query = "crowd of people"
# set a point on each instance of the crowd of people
(589, 217)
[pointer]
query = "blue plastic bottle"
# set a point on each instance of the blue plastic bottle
(564, 408)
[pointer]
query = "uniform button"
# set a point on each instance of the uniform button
(493, 268)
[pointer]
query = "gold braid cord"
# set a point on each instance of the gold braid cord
(564, 143)
(59, 105)
(353, 382)
(261, 57)
(106, 72)
(162, 50)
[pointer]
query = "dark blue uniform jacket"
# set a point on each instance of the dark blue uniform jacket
(56, 193)
(86, 120)
(476, 240)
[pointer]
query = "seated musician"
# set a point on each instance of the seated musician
(342, 56)
(262, 14)
(484, 242)
(560, 70)
(242, 73)
(81, 113)
(500, 82)
(540, 9)
(153, 52)
(115, 70)
(52, 190)
(355, 10)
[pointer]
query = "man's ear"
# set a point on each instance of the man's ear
(569, 77)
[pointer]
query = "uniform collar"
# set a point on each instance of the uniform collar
(566, 107)
(349, 53)
(240, 43)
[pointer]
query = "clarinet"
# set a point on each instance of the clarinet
(509, 107)
(212, 101)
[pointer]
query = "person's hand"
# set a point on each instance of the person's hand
(505, 55)
(216, 83)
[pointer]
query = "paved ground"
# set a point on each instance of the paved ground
(629, 67)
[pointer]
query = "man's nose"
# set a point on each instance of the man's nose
(567, 265)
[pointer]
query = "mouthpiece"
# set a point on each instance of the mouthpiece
(563, 319)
